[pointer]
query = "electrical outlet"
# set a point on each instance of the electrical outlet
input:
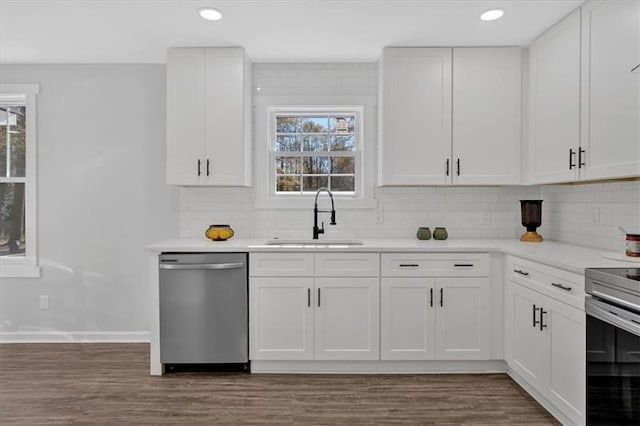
(44, 302)
(486, 220)
(595, 216)
(379, 215)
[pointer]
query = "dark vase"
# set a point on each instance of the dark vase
(531, 219)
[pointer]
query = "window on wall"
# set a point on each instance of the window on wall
(312, 150)
(18, 181)
(304, 143)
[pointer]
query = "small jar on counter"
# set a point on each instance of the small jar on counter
(633, 245)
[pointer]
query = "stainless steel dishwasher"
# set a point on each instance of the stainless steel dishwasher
(204, 308)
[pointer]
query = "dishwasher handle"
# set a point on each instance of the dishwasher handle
(202, 266)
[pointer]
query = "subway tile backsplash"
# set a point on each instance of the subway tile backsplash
(585, 214)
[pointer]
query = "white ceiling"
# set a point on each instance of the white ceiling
(62, 31)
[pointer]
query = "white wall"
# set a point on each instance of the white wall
(589, 214)
(101, 197)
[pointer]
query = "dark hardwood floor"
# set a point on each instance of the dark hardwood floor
(110, 384)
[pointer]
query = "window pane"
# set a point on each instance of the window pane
(287, 124)
(342, 125)
(12, 239)
(313, 183)
(12, 136)
(288, 165)
(288, 143)
(288, 184)
(343, 183)
(343, 165)
(315, 143)
(316, 166)
(343, 143)
(315, 124)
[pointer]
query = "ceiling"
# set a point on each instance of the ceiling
(116, 31)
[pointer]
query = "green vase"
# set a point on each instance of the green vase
(424, 233)
(440, 234)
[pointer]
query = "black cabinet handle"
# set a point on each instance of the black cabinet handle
(208, 166)
(431, 297)
(535, 322)
(318, 298)
(199, 164)
(518, 271)
(542, 324)
(572, 154)
(409, 265)
(458, 167)
(447, 168)
(463, 265)
(580, 162)
(308, 297)
(441, 296)
(561, 286)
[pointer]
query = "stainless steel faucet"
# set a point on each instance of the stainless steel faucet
(317, 231)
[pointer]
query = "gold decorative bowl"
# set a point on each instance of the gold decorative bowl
(219, 232)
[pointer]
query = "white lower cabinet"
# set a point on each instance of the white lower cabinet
(545, 338)
(346, 318)
(426, 317)
(281, 318)
(315, 316)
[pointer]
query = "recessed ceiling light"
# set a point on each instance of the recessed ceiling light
(492, 15)
(210, 13)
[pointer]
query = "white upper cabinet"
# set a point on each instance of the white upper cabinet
(584, 99)
(208, 117)
(611, 92)
(554, 72)
(450, 116)
(415, 120)
(486, 115)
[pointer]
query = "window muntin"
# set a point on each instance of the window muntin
(315, 149)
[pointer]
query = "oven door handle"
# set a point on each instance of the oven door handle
(613, 315)
(616, 300)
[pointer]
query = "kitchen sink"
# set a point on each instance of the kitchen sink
(314, 243)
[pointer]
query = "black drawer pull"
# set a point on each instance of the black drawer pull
(535, 321)
(464, 265)
(409, 265)
(431, 297)
(561, 286)
(518, 271)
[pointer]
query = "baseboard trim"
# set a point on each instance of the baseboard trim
(379, 367)
(75, 337)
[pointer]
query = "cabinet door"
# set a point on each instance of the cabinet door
(415, 132)
(347, 319)
(611, 113)
(527, 341)
(227, 148)
(486, 115)
(554, 103)
(185, 116)
(564, 361)
(462, 318)
(408, 319)
(281, 318)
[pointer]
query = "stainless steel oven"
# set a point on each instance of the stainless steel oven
(612, 306)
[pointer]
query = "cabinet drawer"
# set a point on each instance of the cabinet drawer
(281, 264)
(435, 264)
(562, 285)
(347, 264)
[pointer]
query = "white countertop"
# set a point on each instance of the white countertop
(565, 256)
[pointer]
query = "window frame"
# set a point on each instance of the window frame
(321, 112)
(267, 107)
(25, 266)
